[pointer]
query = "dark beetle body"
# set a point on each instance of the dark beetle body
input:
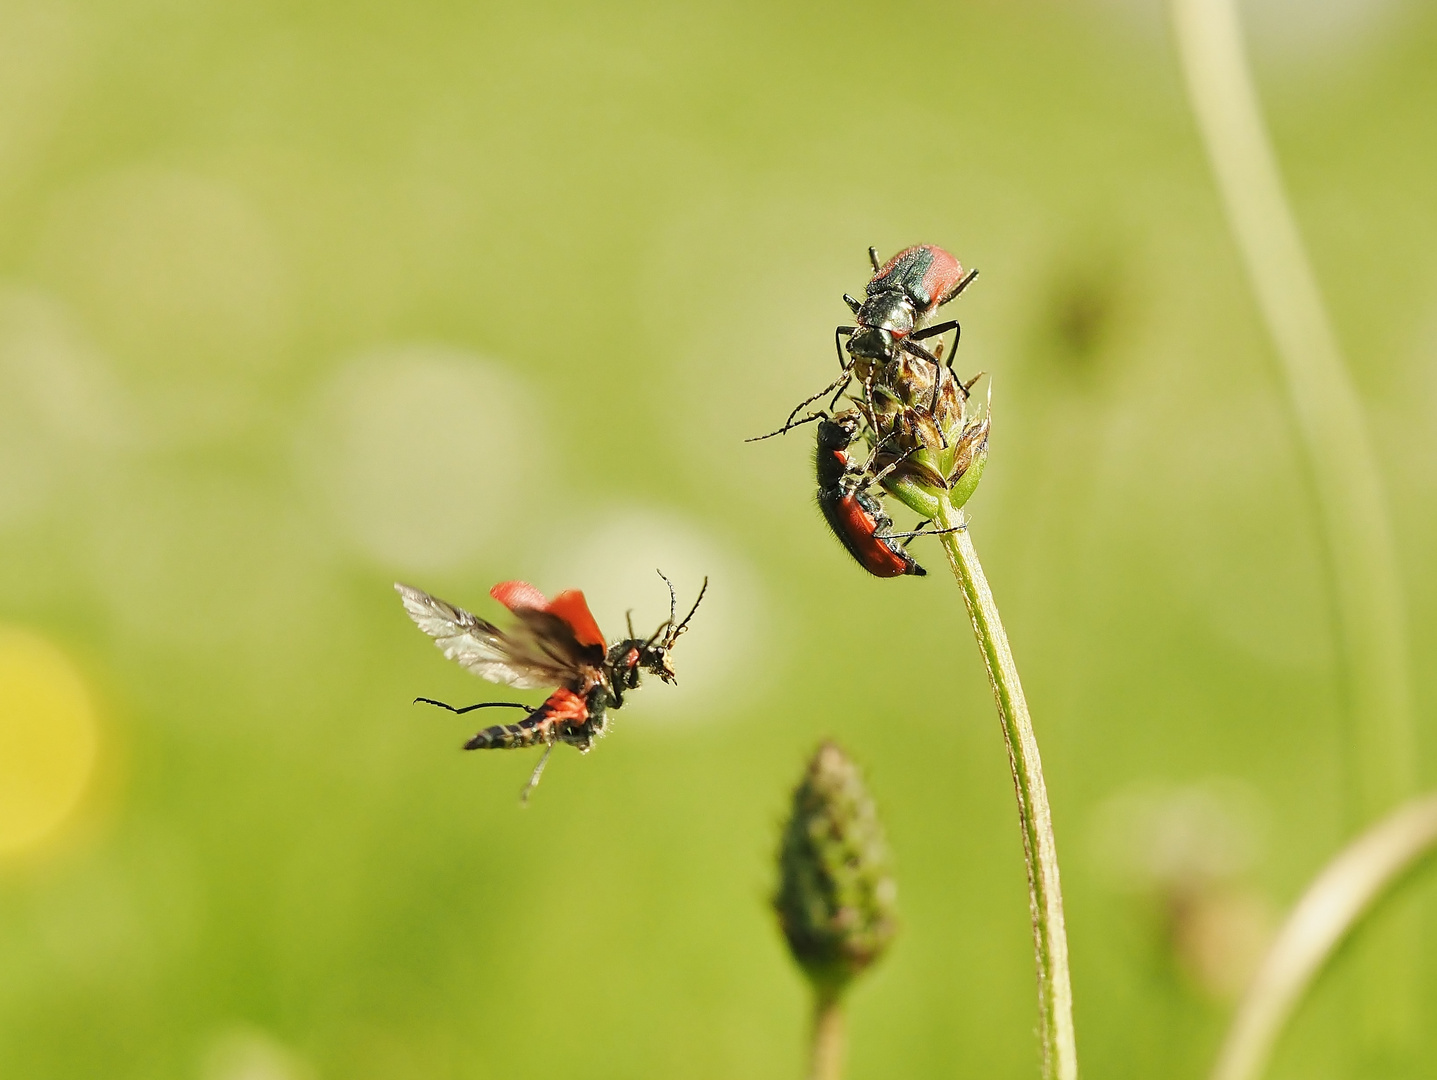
(578, 718)
(555, 643)
(901, 297)
(855, 516)
(893, 318)
(563, 717)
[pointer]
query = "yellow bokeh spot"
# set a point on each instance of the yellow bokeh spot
(48, 740)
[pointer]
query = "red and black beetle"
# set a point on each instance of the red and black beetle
(893, 316)
(556, 643)
(900, 298)
(856, 517)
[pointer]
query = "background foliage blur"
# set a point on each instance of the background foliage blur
(298, 299)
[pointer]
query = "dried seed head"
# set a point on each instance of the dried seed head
(931, 444)
(836, 893)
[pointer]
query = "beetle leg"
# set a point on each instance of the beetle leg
(943, 328)
(911, 346)
(838, 332)
(920, 531)
(853, 304)
(967, 280)
(921, 526)
(873, 258)
(934, 331)
(471, 708)
(534, 776)
(877, 478)
(868, 465)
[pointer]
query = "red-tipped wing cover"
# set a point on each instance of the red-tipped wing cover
(519, 594)
(569, 605)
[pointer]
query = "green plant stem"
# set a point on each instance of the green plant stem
(1340, 457)
(1332, 907)
(1356, 538)
(1045, 894)
(826, 1055)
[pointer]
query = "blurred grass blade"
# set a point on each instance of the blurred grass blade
(1355, 534)
(1339, 453)
(1326, 915)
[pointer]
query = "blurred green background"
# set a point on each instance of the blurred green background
(298, 299)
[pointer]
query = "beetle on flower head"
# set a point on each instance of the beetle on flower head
(900, 299)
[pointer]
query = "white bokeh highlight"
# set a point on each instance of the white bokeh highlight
(729, 649)
(244, 1053)
(62, 410)
(422, 454)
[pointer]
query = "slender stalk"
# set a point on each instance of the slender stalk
(1366, 598)
(1340, 457)
(826, 1056)
(1333, 906)
(1045, 895)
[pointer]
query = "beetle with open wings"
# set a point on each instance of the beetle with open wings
(555, 644)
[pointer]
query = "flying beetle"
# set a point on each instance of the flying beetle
(555, 643)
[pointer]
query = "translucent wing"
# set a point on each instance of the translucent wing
(528, 659)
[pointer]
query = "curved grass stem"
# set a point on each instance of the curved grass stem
(1045, 894)
(1340, 458)
(1361, 564)
(1331, 908)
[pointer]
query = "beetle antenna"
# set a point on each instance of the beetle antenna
(629, 618)
(673, 598)
(873, 258)
(842, 380)
(681, 627)
(810, 418)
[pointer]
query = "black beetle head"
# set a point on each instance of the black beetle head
(630, 659)
(871, 343)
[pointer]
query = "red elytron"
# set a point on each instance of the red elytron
(856, 517)
(556, 643)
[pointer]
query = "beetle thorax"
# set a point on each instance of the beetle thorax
(889, 309)
(884, 318)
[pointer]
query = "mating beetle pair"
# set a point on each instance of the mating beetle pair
(893, 318)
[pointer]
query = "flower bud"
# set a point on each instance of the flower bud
(835, 898)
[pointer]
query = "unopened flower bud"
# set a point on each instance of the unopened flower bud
(836, 895)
